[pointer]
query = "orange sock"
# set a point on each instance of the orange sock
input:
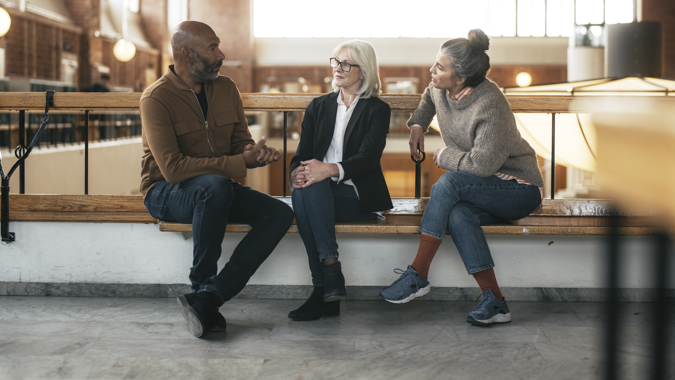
(486, 280)
(425, 253)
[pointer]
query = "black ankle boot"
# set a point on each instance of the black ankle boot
(334, 283)
(199, 311)
(314, 308)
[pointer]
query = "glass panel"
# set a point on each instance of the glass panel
(618, 11)
(133, 6)
(590, 12)
(476, 17)
(560, 18)
(177, 12)
(501, 18)
(396, 18)
(531, 18)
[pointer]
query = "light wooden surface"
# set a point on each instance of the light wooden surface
(402, 206)
(559, 217)
(402, 224)
(129, 101)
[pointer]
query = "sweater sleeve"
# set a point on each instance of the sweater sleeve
(425, 111)
(495, 133)
(173, 164)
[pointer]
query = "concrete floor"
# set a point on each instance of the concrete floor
(127, 338)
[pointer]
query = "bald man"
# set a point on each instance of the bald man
(195, 140)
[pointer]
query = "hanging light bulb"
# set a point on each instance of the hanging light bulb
(124, 50)
(523, 79)
(5, 22)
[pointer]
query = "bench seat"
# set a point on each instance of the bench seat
(558, 217)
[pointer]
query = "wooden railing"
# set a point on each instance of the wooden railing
(69, 102)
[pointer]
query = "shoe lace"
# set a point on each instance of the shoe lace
(484, 301)
(404, 280)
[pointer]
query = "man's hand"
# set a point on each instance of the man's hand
(259, 154)
(416, 142)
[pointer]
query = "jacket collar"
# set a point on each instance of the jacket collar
(175, 81)
(358, 110)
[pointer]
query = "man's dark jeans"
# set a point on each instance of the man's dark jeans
(209, 202)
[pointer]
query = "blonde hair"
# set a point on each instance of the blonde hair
(362, 54)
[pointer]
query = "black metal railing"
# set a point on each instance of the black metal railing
(22, 152)
(109, 125)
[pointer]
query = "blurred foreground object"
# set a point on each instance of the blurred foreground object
(636, 152)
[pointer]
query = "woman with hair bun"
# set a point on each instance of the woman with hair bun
(336, 173)
(492, 175)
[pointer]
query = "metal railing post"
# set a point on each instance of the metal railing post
(22, 147)
(21, 152)
(4, 223)
(661, 305)
(285, 147)
(612, 308)
(553, 156)
(86, 152)
(418, 173)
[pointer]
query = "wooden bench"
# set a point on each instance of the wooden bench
(559, 216)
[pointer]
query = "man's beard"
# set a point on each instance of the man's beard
(202, 71)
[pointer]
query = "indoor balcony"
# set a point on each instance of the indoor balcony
(554, 269)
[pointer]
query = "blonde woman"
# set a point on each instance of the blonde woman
(336, 174)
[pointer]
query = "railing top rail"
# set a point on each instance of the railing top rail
(128, 101)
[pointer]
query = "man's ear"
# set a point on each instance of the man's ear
(461, 80)
(186, 54)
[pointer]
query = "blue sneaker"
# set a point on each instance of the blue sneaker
(489, 310)
(408, 287)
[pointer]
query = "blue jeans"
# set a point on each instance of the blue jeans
(461, 203)
(317, 208)
(209, 202)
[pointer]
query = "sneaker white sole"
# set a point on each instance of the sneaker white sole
(421, 292)
(498, 318)
(194, 323)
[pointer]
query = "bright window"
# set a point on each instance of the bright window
(531, 18)
(177, 12)
(431, 18)
(134, 5)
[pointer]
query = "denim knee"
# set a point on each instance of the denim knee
(217, 191)
(284, 213)
(460, 215)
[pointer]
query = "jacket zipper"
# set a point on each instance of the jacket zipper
(206, 122)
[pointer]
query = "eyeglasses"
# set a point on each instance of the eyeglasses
(334, 63)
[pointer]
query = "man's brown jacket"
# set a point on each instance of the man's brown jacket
(178, 144)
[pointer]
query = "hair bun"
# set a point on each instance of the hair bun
(479, 40)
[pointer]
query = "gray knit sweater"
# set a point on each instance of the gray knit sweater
(479, 132)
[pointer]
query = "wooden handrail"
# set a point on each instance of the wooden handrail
(128, 101)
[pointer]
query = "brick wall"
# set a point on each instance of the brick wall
(126, 74)
(87, 14)
(34, 46)
(664, 12)
(231, 20)
(155, 23)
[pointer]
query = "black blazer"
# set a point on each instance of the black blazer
(365, 138)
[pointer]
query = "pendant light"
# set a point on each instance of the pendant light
(124, 50)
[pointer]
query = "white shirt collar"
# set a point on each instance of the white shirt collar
(340, 102)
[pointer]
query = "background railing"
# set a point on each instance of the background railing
(121, 110)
